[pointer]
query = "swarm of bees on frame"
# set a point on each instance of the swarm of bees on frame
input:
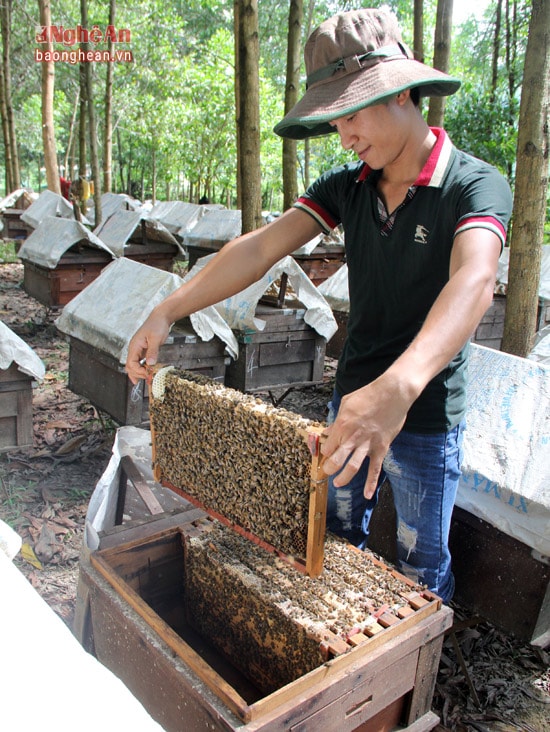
(237, 455)
(271, 620)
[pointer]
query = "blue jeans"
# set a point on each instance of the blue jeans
(423, 471)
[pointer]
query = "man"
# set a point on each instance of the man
(424, 226)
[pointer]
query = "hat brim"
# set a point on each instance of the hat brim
(347, 94)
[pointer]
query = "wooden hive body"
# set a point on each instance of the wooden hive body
(213, 632)
(251, 465)
(16, 428)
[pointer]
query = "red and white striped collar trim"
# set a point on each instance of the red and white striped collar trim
(433, 172)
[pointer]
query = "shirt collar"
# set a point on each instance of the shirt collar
(433, 172)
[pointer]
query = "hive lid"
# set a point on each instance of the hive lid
(107, 312)
(215, 228)
(239, 311)
(117, 231)
(49, 203)
(13, 349)
(20, 198)
(54, 237)
(112, 202)
(179, 217)
(335, 289)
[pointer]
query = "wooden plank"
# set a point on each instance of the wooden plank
(193, 660)
(426, 675)
(318, 498)
(384, 646)
(146, 494)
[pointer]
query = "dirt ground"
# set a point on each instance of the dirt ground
(503, 685)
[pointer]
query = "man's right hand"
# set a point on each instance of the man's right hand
(144, 346)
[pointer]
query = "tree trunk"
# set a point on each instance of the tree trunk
(67, 164)
(48, 130)
(5, 134)
(108, 135)
(531, 188)
(236, 33)
(94, 156)
(12, 156)
(82, 122)
(249, 115)
(496, 51)
(418, 34)
(442, 54)
(293, 61)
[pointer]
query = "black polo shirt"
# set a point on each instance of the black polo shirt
(397, 268)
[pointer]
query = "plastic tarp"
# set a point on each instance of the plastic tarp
(506, 470)
(116, 231)
(335, 289)
(15, 197)
(100, 516)
(54, 237)
(309, 247)
(49, 203)
(239, 311)
(179, 217)
(541, 349)
(110, 309)
(215, 228)
(49, 681)
(544, 283)
(13, 349)
(112, 202)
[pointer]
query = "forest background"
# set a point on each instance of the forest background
(163, 120)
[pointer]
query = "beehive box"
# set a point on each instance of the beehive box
(16, 428)
(252, 465)
(14, 228)
(156, 254)
(75, 270)
(210, 631)
(137, 236)
(288, 352)
(323, 262)
(101, 378)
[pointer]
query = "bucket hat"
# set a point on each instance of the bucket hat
(354, 60)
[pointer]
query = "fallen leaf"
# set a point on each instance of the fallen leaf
(73, 444)
(59, 424)
(29, 556)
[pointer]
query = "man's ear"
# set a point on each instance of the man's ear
(403, 96)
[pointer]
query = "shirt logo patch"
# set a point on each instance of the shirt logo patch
(421, 234)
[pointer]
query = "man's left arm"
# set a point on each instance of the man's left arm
(369, 418)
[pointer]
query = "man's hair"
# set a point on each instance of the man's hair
(415, 96)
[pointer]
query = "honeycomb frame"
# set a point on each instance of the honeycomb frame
(253, 466)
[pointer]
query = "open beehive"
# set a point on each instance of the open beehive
(253, 466)
(229, 636)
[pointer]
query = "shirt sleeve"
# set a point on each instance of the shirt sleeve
(485, 203)
(324, 198)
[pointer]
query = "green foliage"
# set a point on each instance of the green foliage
(173, 106)
(484, 126)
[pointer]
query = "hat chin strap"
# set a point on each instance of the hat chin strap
(355, 63)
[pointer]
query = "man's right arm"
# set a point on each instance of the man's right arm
(237, 265)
